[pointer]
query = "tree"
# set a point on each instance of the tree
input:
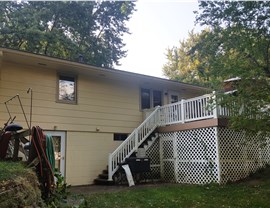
(90, 32)
(240, 28)
(181, 66)
(236, 44)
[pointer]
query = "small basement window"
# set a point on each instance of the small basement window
(67, 89)
(119, 136)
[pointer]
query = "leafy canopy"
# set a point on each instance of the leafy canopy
(240, 29)
(184, 66)
(236, 43)
(240, 33)
(79, 31)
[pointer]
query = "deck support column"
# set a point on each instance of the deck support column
(110, 168)
(215, 109)
(182, 111)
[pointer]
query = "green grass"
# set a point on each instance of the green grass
(254, 192)
(9, 170)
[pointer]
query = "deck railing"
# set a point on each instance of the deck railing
(198, 108)
(132, 143)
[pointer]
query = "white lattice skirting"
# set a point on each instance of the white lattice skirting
(206, 155)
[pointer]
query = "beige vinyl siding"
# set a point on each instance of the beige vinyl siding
(87, 155)
(106, 104)
(102, 102)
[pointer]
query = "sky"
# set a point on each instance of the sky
(154, 27)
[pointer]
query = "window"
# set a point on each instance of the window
(174, 98)
(67, 89)
(145, 98)
(157, 98)
(150, 98)
(119, 136)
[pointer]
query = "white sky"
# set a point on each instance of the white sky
(155, 26)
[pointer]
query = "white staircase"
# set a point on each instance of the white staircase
(132, 143)
(180, 112)
(150, 142)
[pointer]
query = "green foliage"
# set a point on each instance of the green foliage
(60, 192)
(92, 30)
(236, 44)
(181, 66)
(9, 170)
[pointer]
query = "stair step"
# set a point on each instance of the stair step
(105, 172)
(100, 181)
(103, 176)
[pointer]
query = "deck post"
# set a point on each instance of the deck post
(136, 139)
(158, 117)
(110, 168)
(217, 138)
(182, 111)
(215, 109)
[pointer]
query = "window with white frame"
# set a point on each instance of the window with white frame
(67, 89)
(150, 98)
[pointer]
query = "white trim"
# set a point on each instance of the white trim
(61, 134)
(218, 155)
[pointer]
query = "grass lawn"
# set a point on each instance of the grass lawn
(254, 192)
(9, 170)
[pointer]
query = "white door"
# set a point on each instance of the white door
(59, 141)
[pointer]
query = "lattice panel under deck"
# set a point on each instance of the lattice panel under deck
(154, 155)
(200, 172)
(265, 153)
(197, 156)
(167, 162)
(169, 172)
(240, 155)
(193, 155)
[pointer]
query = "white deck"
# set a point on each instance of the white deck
(195, 109)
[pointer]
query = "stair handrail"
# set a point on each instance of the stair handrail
(178, 113)
(133, 141)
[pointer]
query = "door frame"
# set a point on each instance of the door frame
(62, 134)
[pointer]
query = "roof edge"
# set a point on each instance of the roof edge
(83, 65)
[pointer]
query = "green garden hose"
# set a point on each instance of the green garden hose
(50, 151)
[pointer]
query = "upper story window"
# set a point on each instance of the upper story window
(67, 89)
(150, 98)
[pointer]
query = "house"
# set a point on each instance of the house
(88, 109)
(99, 117)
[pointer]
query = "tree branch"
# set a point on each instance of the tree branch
(250, 57)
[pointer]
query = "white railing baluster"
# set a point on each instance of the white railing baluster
(215, 110)
(180, 112)
(132, 143)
